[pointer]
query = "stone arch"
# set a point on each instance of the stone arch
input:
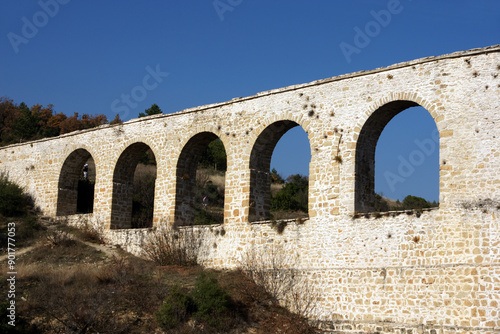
(123, 184)
(264, 141)
(374, 123)
(186, 167)
(70, 184)
(182, 141)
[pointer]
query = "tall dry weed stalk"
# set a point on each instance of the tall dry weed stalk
(275, 269)
(169, 246)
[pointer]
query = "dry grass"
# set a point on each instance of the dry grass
(391, 203)
(70, 287)
(92, 297)
(141, 170)
(276, 187)
(217, 178)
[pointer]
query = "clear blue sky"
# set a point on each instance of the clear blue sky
(82, 56)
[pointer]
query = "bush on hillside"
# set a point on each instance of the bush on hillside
(293, 196)
(212, 302)
(176, 309)
(13, 201)
(415, 202)
(173, 247)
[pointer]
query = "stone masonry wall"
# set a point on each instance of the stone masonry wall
(435, 271)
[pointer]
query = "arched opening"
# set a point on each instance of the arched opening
(200, 181)
(76, 184)
(270, 198)
(133, 188)
(397, 159)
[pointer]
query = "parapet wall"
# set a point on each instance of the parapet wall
(438, 270)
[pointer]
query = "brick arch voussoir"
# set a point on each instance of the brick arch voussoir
(400, 96)
(181, 144)
(128, 143)
(72, 149)
(257, 131)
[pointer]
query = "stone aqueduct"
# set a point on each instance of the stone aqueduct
(434, 271)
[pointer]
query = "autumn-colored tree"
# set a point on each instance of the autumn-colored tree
(86, 121)
(19, 123)
(54, 123)
(99, 120)
(71, 124)
(116, 120)
(44, 118)
(8, 114)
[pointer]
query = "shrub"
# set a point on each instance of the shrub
(90, 232)
(167, 246)
(12, 198)
(59, 238)
(204, 217)
(272, 268)
(176, 309)
(213, 302)
(275, 177)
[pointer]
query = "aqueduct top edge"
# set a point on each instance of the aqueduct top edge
(471, 52)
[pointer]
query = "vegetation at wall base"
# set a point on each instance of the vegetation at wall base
(13, 200)
(67, 286)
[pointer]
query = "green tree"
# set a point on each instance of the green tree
(213, 302)
(151, 111)
(148, 158)
(293, 196)
(415, 202)
(214, 156)
(380, 204)
(27, 125)
(9, 112)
